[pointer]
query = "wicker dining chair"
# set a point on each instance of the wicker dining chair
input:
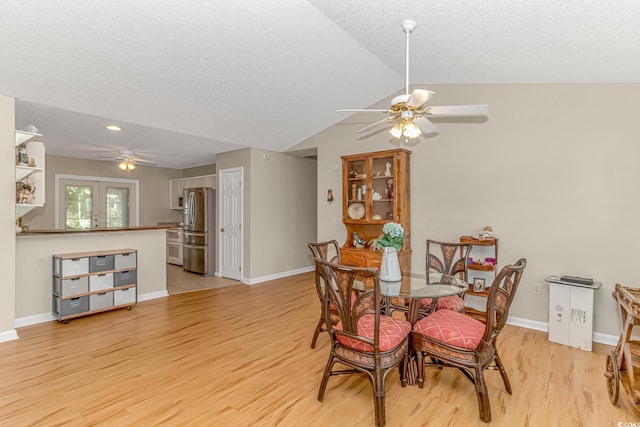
(363, 340)
(449, 338)
(442, 257)
(328, 251)
(448, 258)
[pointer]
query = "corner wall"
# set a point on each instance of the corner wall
(7, 218)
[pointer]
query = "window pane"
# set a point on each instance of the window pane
(79, 206)
(117, 207)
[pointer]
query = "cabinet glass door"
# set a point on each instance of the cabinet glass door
(356, 191)
(383, 190)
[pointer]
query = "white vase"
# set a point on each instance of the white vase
(390, 267)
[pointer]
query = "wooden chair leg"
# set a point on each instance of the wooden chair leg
(378, 394)
(403, 370)
(503, 372)
(420, 362)
(484, 406)
(317, 331)
(325, 377)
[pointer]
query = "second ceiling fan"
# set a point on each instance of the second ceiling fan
(409, 112)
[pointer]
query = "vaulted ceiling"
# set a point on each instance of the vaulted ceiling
(189, 79)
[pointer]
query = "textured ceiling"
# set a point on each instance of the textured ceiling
(187, 80)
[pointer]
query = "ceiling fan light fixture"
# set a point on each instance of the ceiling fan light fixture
(126, 166)
(411, 130)
(396, 131)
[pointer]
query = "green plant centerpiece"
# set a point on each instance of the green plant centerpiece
(392, 236)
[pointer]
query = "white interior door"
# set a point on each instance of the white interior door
(231, 223)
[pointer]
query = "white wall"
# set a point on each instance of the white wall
(554, 171)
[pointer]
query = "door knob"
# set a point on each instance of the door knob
(222, 230)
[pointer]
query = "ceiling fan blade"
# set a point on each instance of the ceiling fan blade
(363, 111)
(143, 161)
(458, 110)
(419, 97)
(425, 125)
(376, 124)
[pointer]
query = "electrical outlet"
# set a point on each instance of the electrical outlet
(536, 288)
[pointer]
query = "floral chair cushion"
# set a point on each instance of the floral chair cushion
(392, 332)
(452, 328)
(454, 303)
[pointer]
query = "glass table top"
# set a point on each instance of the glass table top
(435, 286)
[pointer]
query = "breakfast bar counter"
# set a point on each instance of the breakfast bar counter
(34, 250)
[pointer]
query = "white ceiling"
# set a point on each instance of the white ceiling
(189, 79)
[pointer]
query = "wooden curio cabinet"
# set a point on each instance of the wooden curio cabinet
(375, 190)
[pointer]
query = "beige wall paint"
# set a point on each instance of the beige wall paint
(554, 171)
(33, 264)
(154, 189)
(279, 210)
(199, 171)
(283, 220)
(7, 224)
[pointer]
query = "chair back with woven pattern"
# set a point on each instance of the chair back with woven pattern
(448, 258)
(500, 298)
(339, 295)
(328, 251)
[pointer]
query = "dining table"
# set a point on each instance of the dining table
(408, 292)
(413, 288)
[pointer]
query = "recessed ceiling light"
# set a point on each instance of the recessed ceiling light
(114, 127)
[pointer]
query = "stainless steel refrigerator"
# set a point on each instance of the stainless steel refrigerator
(198, 230)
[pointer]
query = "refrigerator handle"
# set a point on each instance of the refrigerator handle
(190, 203)
(187, 211)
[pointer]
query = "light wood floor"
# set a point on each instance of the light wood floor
(240, 356)
(179, 281)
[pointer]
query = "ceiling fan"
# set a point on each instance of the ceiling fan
(128, 160)
(409, 112)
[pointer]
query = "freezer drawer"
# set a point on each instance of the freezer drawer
(194, 238)
(194, 258)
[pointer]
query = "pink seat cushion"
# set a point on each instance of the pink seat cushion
(454, 303)
(392, 332)
(452, 328)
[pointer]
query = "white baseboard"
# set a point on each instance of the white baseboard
(8, 335)
(261, 279)
(33, 320)
(47, 317)
(542, 326)
(529, 324)
(153, 295)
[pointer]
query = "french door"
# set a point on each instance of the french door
(94, 203)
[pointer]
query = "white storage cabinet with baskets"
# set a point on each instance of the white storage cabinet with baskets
(91, 282)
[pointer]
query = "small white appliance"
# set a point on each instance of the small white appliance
(174, 246)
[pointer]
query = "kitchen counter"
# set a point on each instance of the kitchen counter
(94, 230)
